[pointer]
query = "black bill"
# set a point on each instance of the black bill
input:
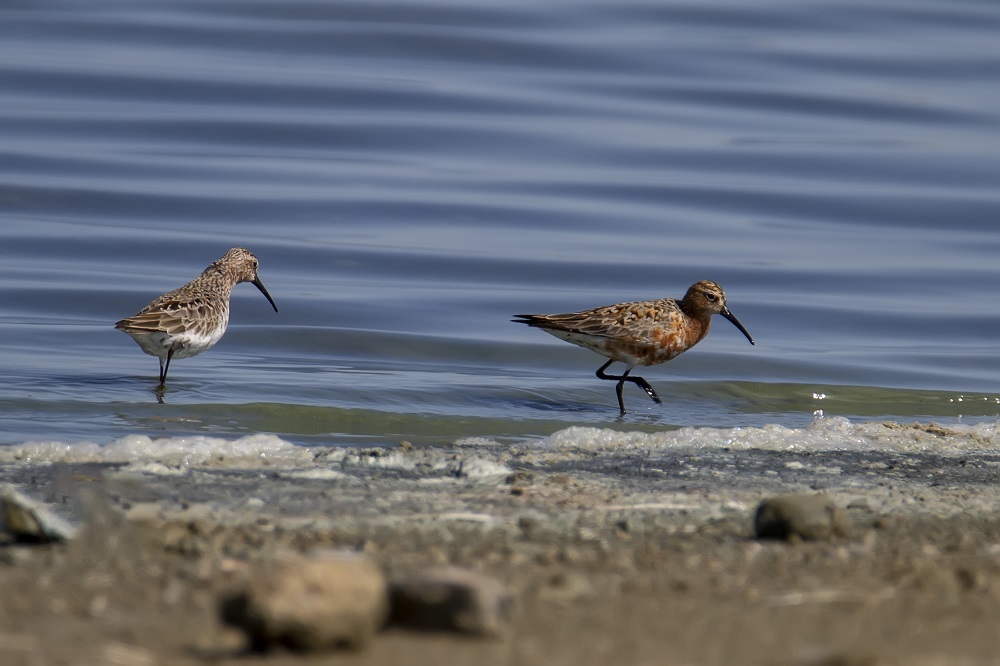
(725, 313)
(260, 285)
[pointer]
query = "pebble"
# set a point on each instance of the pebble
(323, 601)
(28, 520)
(805, 516)
(566, 587)
(450, 598)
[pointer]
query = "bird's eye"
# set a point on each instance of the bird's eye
(710, 297)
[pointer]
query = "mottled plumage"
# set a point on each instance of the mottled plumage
(187, 321)
(642, 332)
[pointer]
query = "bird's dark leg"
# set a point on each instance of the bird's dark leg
(621, 383)
(645, 386)
(164, 368)
(624, 377)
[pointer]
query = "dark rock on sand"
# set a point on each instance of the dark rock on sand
(807, 517)
(450, 599)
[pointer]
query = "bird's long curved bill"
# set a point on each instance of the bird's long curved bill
(731, 317)
(260, 285)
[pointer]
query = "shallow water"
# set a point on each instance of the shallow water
(411, 174)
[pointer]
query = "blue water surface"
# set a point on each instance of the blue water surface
(412, 173)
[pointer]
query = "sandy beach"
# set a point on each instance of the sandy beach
(611, 553)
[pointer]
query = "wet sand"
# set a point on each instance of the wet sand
(615, 555)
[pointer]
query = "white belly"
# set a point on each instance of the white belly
(185, 345)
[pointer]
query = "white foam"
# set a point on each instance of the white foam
(480, 468)
(825, 434)
(251, 451)
(168, 454)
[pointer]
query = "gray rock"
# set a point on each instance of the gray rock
(332, 599)
(807, 517)
(451, 599)
(28, 520)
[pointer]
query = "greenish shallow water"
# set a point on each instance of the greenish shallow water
(745, 404)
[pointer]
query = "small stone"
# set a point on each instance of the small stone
(520, 477)
(566, 587)
(530, 526)
(28, 520)
(807, 517)
(451, 599)
(120, 654)
(327, 600)
(971, 579)
(16, 555)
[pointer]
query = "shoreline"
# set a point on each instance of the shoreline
(615, 549)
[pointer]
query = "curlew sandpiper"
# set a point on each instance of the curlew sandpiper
(640, 333)
(185, 322)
